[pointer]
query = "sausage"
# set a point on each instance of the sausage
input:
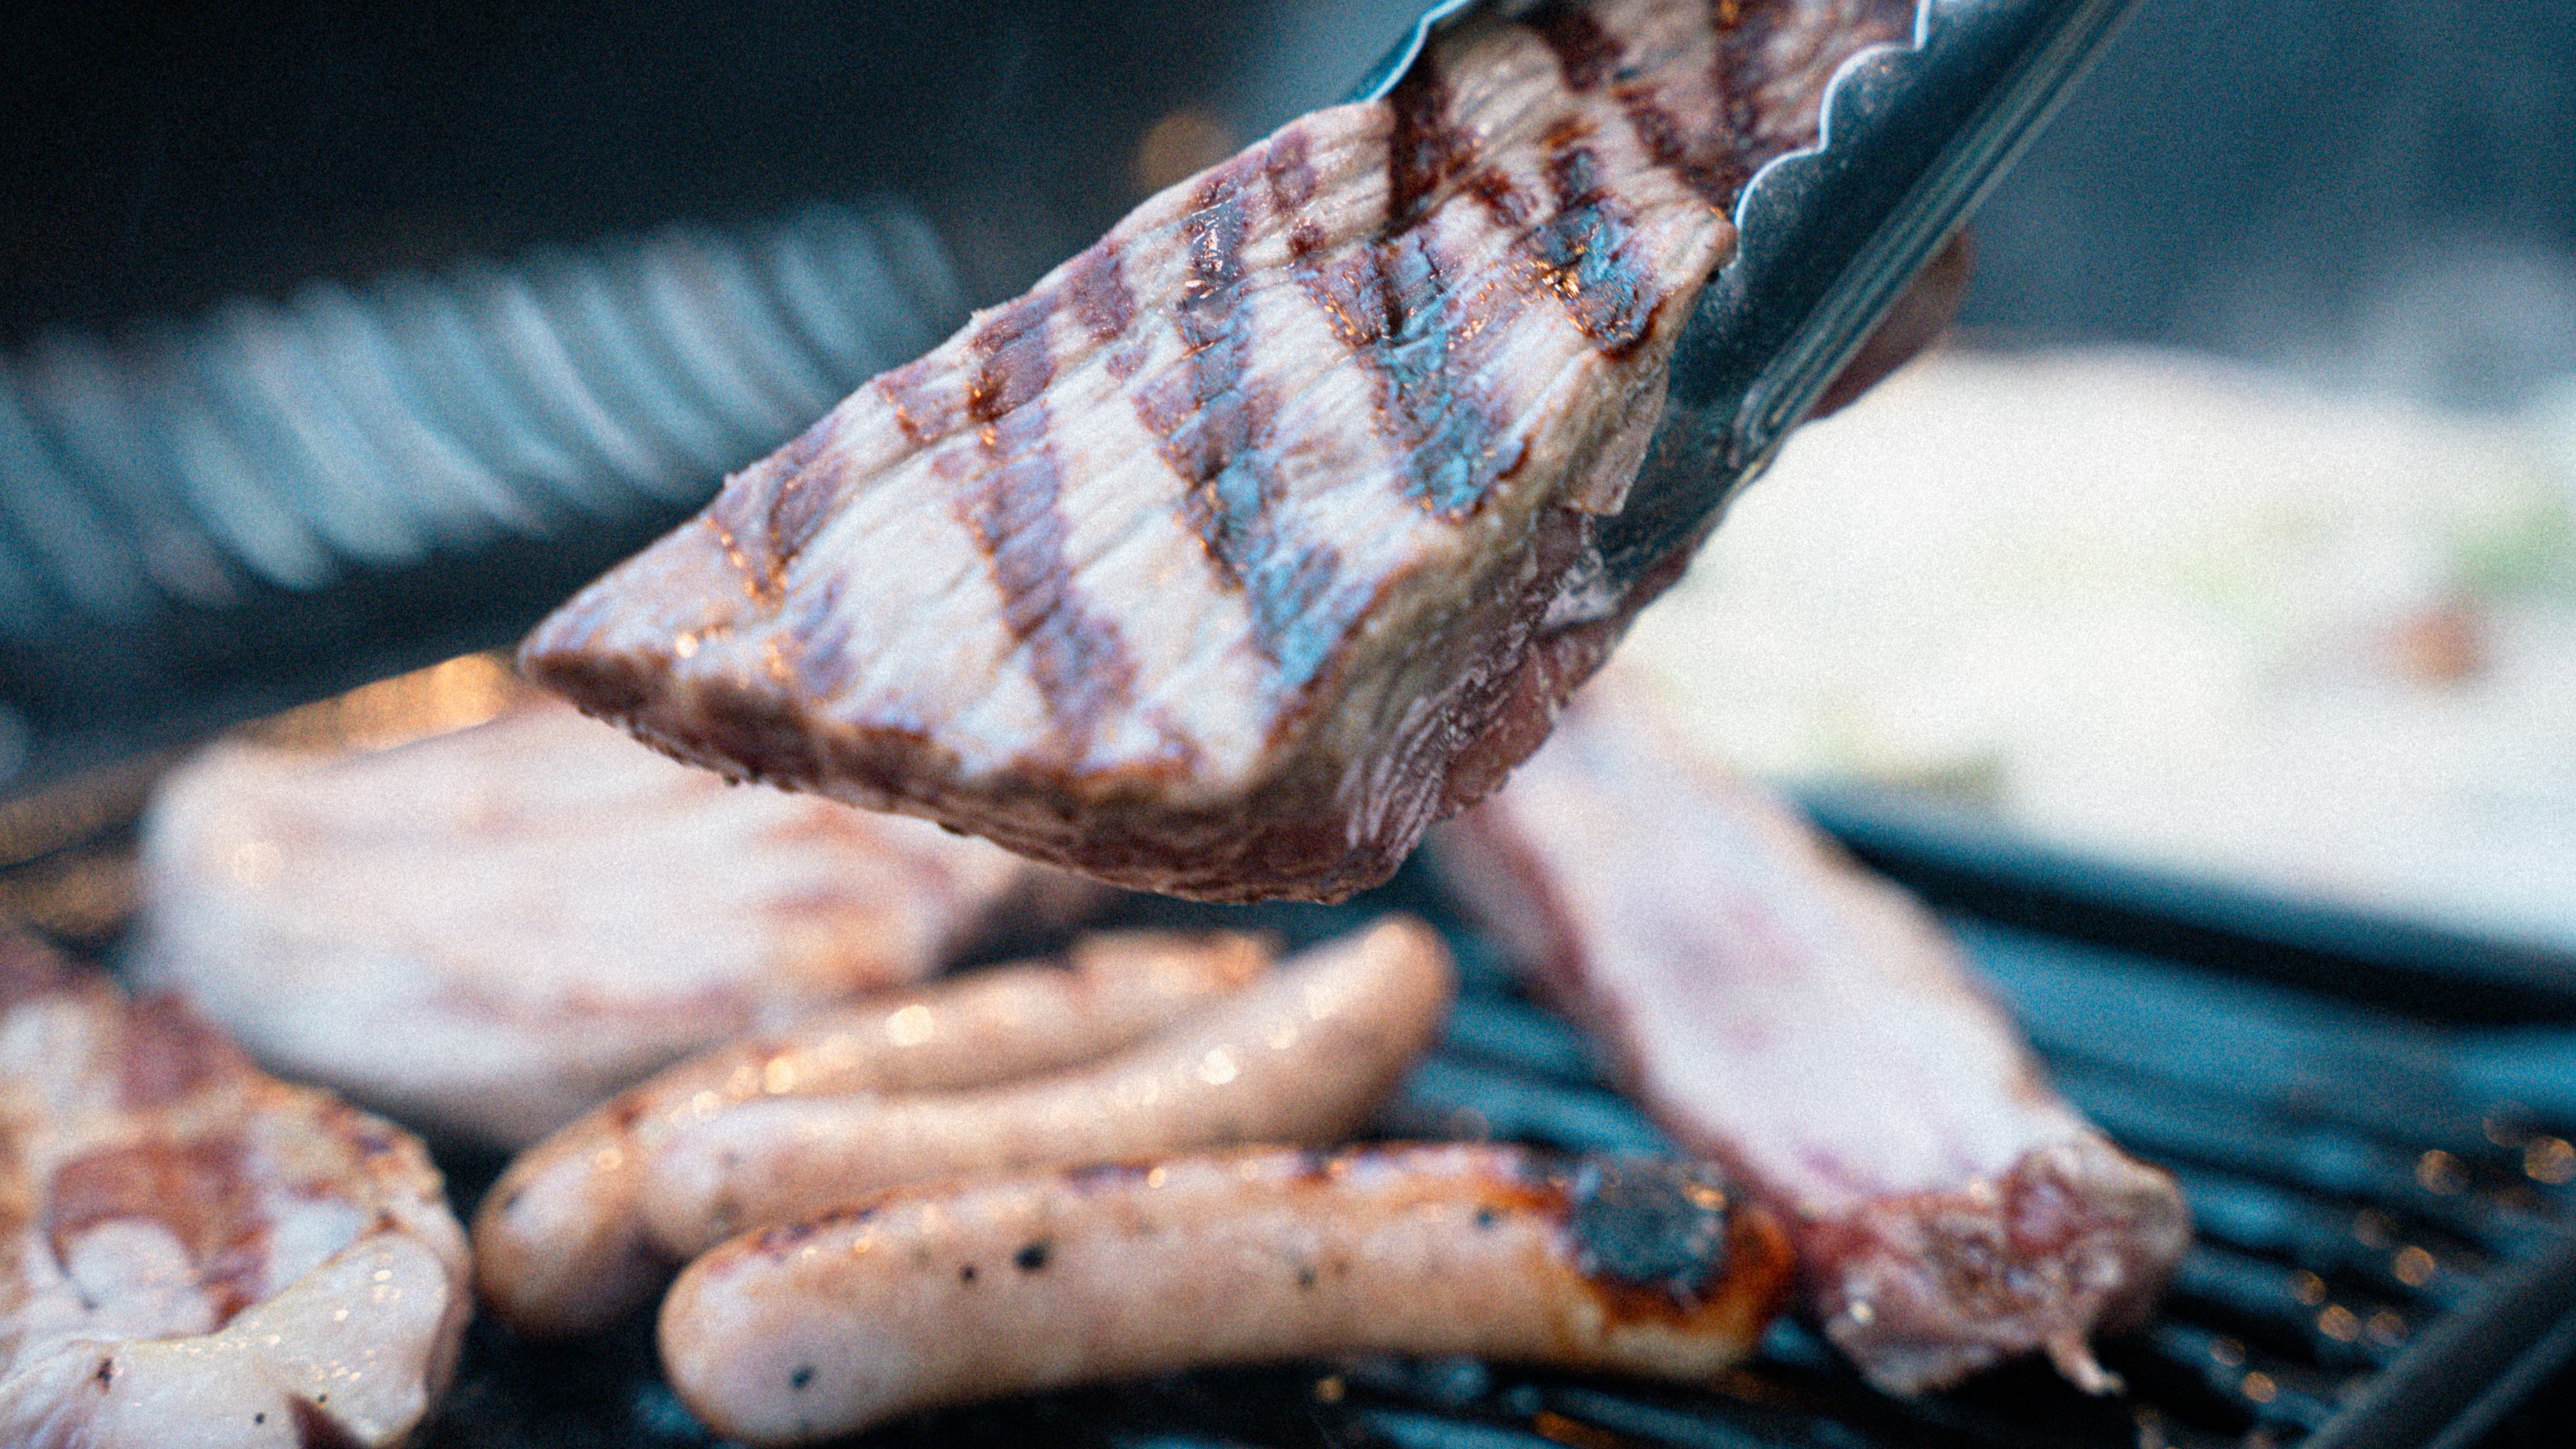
(1305, 1057)
(559, 1245)
(940, 1294)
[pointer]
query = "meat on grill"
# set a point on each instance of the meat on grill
(488, 932)
(950, 1292)
(1818, 1033)
(1221, 563)
(200, 1254)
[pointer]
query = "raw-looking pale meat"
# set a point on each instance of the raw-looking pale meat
(952, 1292)
(1305, 1057)
(1816, 1031)
(201, 1256)
(1222, 562)
(488, 932)
(559, 1243)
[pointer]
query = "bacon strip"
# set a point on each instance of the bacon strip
(1815, 1031)
(1220, 563)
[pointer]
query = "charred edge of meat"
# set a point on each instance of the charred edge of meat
(1928, 1289)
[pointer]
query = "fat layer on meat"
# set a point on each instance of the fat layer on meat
(199, 1254)
(1220, 562)
(1815, 1030)
(489, 931)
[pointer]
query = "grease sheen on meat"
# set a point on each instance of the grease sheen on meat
(200, 1255)
(1816, 1031)
(1220, 563)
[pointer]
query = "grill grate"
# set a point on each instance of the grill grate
(2386, 1252)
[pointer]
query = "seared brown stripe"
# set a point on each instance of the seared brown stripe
(1588, 54)
(1424, 151)
(1078, 658)
(1013, 507)
(200, 1191)
(927, 401)
(1719, 147)
(1292, 175)
(1213, 425)
(1391, 301)
(1586, 255)
(765, 517)
(170, 1055)
(1097, 288)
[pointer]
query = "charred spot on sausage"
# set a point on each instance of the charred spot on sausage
(1033, 1257)
(803, 1376)
(1648, 1224)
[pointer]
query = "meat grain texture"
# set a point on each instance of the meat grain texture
(201, 1256)
(1812, 1028)
(488, 932)
(1239, 550)
(946, 1293)
(560, 1246)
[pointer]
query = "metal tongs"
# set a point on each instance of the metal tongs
(1913, 137)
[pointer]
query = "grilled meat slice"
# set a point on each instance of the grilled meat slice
(1815, 1031)
(200, 1254)
(1221, 563)
(490, 931)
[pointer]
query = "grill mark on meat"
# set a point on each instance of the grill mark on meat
(1588, 54)
(924, 396)
(200, 1191)
(1424, 151)
(1585, 254)
(1076, 655)
(1650, 1235)
(1291, 172)
(764, 526)
(1714, 160)
(1098, 289)
(169, 1055)
(1391, 302)
(1213, 424)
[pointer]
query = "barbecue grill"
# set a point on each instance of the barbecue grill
(412, 395)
